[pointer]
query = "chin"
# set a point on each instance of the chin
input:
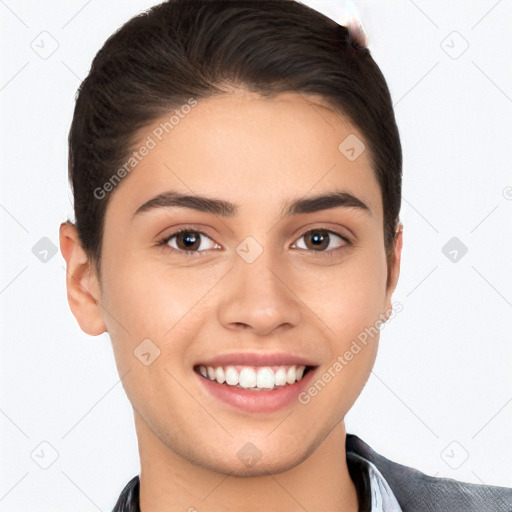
(243, 459)
(263, 467)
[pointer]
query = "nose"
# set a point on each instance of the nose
(259, 297)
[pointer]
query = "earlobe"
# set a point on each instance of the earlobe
(83, 290)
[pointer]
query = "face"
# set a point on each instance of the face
(254, 289)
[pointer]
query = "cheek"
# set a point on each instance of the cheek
(150, 320)
(144, 300)
(349, 303)
(347, 297)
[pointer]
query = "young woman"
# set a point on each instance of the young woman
(236, 170)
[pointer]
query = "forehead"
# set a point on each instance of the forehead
(252, 150)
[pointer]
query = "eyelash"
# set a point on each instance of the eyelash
(164, 242)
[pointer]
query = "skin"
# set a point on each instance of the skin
(257, 153)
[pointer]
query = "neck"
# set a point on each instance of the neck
(168, 482)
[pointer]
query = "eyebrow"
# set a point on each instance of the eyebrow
(171, 199)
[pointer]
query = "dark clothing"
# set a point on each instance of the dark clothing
(414, 491)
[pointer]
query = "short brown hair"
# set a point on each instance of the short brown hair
(197, 48)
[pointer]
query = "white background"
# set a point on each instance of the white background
(443, 370)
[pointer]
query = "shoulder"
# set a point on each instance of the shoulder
(128, 500)
(418, 492)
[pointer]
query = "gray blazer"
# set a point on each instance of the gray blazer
(418, 492)
(414, 490)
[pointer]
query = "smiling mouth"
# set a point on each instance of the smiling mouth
(254, 378)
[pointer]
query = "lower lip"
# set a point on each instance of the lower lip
(257, 401)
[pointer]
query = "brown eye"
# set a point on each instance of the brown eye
(188, 241)
(319, 239)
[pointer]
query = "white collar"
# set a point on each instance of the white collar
(382, 497)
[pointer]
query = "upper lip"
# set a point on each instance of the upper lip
(257, 359)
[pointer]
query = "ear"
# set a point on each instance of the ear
(394, 267)
(83, 288)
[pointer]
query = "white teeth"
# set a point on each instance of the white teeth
(247, 378)
(290, 375)
(280, 377)
(254, 377)
(265, 378)
(231, 376)
(220, 376)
